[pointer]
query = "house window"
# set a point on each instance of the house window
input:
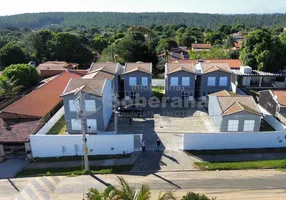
(223, 81)
(185, 95)
(232, 125)
(76, 124)
(211, 81)
(133, 95)
(132, 81)
(185, 81)
(73, 105)
(144, 81)
(248, 125)
(91, 125)
(174, 81)
(90, 105)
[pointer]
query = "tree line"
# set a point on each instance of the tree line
(103, 19)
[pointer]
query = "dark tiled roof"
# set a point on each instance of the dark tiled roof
(18, 130)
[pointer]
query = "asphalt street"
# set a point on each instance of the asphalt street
(251, 184)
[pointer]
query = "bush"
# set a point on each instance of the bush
(26, 75)
(194, 196)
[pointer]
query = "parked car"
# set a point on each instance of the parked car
(131, 108)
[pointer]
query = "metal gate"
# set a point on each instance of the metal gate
(137, 139)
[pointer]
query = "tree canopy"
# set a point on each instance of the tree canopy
(11, 54)
(26, 75)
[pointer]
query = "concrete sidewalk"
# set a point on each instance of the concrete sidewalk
(77, 163)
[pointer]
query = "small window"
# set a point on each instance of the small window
(174, 81)
(144, 81)
(232, 125)
(91, 125)
(76, 124)
(211, 81)
(90, 105)
(185, 81)
(73, 105)
(223, 81)
(248, 125)
(132, 81)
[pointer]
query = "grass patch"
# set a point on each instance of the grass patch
(74, 171)
(158, 92)
(59, 128)
(76, 158)
(237, 151)
(264, 164)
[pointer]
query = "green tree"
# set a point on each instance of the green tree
(26, 75)
(194, 196)
(166, 45)
(9, 87)
(261, 50)
(11, 54)
(108, 194)
(213, 38)
(68, 47)
(99, 43)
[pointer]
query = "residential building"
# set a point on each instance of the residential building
(52, 68)
(180, 80)
(201, 47)
(180, 52)
(233, 63)
(274, 101)
(97, 103)
(137, 80)
(246, 77)
(27, 115)
(234, 113)
(212, 77)
(113, 69)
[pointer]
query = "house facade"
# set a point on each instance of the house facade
(97, 104)
(180, 80)
(137, 80)
(274, 101)
(234, 113)
(212, 77)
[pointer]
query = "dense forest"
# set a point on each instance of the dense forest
(103, 19)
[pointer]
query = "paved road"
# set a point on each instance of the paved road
(225, 185)
(10, 167)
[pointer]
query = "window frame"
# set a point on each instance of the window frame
(130, 81)
(85, 107)
(214, 81)
(88, 121)
(73, 104)
(171, 82)
(188, 81)
(77, 128)
(246, 126)
(145, 81)
(230, 125)
(220, 79)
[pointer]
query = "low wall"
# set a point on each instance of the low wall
(71, 145)
(237, 140)
(271, 120)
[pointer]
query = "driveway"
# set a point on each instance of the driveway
(165, 123)
(10, 167)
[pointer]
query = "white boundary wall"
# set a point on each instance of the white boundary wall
(237, 140)
(71, 145)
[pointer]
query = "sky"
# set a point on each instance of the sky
(10, 7)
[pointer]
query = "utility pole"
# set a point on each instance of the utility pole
(81, 115)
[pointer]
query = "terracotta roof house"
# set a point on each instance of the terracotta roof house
(27, 115)
(137, 80)
(274, 101)
(234, 113)
(108, 70)
(97, 101)
(233, 63)
(212, 77)
(201, 47)
(52, 68)
(180, 79)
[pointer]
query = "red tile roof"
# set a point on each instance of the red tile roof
(201, 46)
(281, 96)
(42, 100)
(233, 63)
(52, 68)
